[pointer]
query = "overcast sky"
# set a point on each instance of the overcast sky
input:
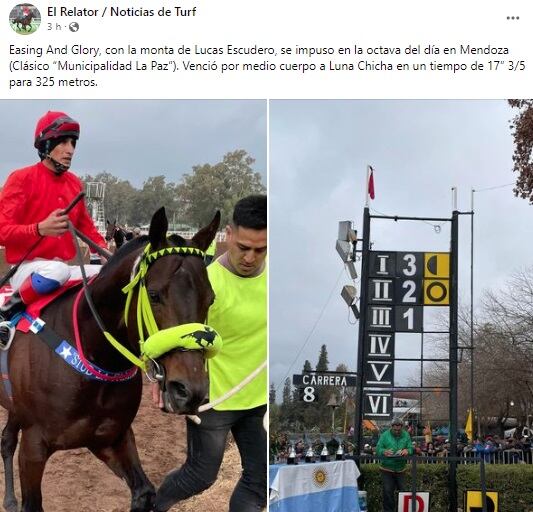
(138, 139)
(419, 149)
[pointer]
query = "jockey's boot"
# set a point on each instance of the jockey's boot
(14, 305)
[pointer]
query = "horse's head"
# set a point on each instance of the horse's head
(116, 233)
(179, 294)
(110, 230)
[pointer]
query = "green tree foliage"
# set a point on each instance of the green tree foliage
(272, 394)
(322, 365)
(155, 193)
(346, 397)
(286, 410)
(192, 202)
(522, 129)
(219, 186)
(307, 366)
(286, 395)
(274, 417)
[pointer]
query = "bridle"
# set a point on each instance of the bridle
(191, 336)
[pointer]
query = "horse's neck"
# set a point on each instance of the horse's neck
(107, 287)
(109, 302)
(119, 238)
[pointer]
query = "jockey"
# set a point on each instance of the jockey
(25, 11)
(31, 206)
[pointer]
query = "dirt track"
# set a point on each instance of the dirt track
(76, 481)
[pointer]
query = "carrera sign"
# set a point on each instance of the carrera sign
(323, 379)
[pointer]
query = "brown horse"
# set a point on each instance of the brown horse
(57, 408)
(117, 233)
(23, 21)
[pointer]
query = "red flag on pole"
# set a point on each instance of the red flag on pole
(371, 191)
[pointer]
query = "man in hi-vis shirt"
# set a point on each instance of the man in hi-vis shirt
(239, 314)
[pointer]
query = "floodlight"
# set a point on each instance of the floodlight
(344, 228)
(343, 248)
(351, 269)
(348, 293)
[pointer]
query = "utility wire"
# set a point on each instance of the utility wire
(312, 329)
(494, 188)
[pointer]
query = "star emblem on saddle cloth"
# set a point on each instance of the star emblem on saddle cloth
(66, 352)
(204, 337)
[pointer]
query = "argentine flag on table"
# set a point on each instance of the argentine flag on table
(324, 487)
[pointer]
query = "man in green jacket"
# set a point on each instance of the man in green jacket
(393, 444)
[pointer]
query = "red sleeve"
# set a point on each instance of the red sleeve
(12, 199)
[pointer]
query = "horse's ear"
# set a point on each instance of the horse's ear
(158, 229)
(205, 236)
(107, 220)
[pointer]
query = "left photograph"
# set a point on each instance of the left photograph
(133, 305)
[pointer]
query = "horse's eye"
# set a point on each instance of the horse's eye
(154, 297)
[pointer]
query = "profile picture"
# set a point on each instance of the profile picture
(25, 19)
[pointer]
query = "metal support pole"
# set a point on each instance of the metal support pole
(358, 424)
(483, 483)
(413, 484)
(472, 311)
(452, 473)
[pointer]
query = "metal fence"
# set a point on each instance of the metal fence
(497, 457)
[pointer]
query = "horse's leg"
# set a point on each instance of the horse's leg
(7, 447)
(33, 455)
(123, 459)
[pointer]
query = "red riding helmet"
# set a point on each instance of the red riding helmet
(54, 125)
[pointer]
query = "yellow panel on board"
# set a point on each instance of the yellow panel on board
(436, 292)
(436, 265)
(473, 501)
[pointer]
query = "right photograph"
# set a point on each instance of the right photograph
(401, 305)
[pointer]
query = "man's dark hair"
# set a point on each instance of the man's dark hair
(251, 212)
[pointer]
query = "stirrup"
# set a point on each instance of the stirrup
(11, 327)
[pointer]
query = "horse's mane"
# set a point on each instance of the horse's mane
(124, 251)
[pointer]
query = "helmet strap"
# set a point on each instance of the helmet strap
(58, 168)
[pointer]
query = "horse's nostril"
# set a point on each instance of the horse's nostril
(178, 389)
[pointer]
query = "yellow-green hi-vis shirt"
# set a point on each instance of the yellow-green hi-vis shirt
(239, 315)
(212, 249)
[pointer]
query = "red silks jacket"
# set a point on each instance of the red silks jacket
(28, 197)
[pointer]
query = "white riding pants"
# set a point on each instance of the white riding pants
(51, 269)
